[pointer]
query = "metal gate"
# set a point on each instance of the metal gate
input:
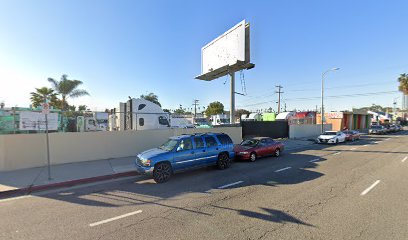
(273, 129)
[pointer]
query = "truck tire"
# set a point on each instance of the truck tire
(162, 172)
(223, 161)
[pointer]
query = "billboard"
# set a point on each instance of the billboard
(227, 53)
(36, 121)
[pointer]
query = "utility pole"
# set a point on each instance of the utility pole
(195, 104)
(279, 96)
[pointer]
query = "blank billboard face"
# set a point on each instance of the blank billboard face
(225, 50)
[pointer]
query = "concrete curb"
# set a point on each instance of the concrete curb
(70, 183)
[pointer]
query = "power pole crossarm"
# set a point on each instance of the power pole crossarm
(195, 104)
(279, 96)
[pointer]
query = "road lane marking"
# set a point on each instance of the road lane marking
(353, 149)
(115, 218)
(14, 198)
(283, 169)
(387, 139)
(336, 153)
(365, 145)
(231, 184)
(314, 160)
(405, 158)
(370, 188)
(376, 142)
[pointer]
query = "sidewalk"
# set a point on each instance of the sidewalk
(34, 179)
(292, 144)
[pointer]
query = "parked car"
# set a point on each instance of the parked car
(185, 152)
(376, 129)
(332, 137)
(254, 148)
(387, 128)
(352, 135)
(394, 128)
(399, 127)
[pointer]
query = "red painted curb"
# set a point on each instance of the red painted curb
(70, 183)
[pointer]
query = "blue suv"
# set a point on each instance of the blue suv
(186, 152)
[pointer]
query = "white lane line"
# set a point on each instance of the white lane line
(376, 142)
(370, 188)
(351, 149)
(336, 153)
(405, 158)
(14, 198)
(114, 218)
(231, 184)
(314, 160)
(283, 169)
(365, 145)
(387, 139)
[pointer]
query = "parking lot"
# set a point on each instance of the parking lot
(346, 191)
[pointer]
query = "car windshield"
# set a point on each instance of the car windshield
(376, 127)
(169, 145)
(330, 133)
(250, 143)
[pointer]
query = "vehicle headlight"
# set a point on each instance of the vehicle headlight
(145, 162)
(243, 152)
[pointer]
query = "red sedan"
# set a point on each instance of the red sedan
(253, 148)
(352, 135)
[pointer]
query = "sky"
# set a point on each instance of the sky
(128, 48)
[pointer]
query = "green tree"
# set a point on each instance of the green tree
(179, 111)
(152, 98)
(72, 108)
(240, 112)
(67, 89)
(38, 97)
(82, 108)
(403, 83)
(214, 108)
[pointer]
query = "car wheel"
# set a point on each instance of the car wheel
(223, 161)
(252, 157)
(162, 172)
(337, 141)
(277, 152)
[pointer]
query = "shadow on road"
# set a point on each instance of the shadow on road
(271, 215)
(197, 183)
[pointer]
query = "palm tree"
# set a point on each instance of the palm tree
(152, 98)
(403, 81)
(38, 97)
(67, 89)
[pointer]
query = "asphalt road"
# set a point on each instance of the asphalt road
(350, 191)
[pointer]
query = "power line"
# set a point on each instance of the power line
(331, 97)
(250, 98)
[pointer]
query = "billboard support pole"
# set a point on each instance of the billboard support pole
(232, 109)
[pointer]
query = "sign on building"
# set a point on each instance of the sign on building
(36, 121)
(334, 115)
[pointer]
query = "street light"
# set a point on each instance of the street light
(322, 111)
